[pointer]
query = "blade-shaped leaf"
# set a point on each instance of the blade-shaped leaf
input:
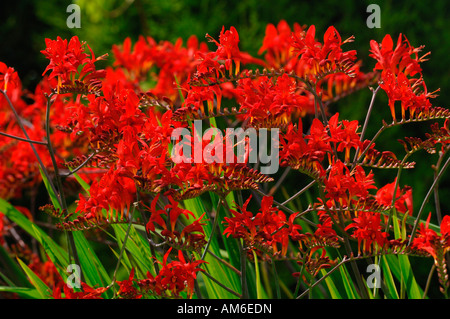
(41, 287)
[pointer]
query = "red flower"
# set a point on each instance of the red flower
(113, 192)
(87, 292)
(368, 231)
(192, 236)
(428, 240)
(324, 56)
(345, 187)
(399, 65)
(403, 202)
(227, 51)
(276, 43)
(127, 290)
(179, 275)
(305, 151)
(344, 135)
(397, 59)
(268, 103)
(46, 271)
(8, 77)
(66, 60)
(267, 228)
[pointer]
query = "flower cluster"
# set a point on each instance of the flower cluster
(192, 237)
(72, 66)
(267, 230)
(401, 74)
(173, 278)
(126, 131)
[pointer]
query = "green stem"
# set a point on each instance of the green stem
(258, 278)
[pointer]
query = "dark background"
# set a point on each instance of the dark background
(25, 24)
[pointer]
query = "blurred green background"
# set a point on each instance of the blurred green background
(26, 23)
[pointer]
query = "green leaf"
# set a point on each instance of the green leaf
(28, 226)
(347, 283)
(259, 291)
(59, 257)
(81, 182)
(213, 266)
(389, 279)
(137, 246)
(12, 270)
(41, 287)
(412, 288)
(23, 292)
(125, 261)
(91, 267)
(331, 286)
(407, 279)
(51, 193)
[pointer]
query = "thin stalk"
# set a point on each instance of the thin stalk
(319, 102)
(60, 194)
(52, 155)
(427, 197)
(394, 195)
(297, 287)
(19, 121)
(197, 290)
(304, 189)
(369, 112)
(307, 291)
(436, 189)
(23, 139)
(427, 286)
(280, 181)
(347, 246)
(153, 252)
(372, 141)
(216, 221)
(366, 121)
(222, 285)
(79, 167)
(124, 244)
(243, 257)
(281, 206)
(356, 270)
(226, 263)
